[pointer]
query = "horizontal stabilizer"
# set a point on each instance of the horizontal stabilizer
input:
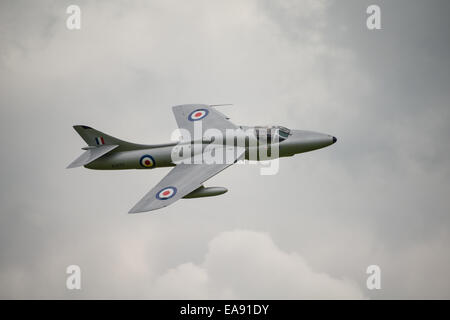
(90, 155)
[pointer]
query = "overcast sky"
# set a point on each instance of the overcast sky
(380, 195)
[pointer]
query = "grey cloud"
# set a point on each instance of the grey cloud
(378, 196)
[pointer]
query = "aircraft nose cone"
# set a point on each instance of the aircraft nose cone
(334, 139)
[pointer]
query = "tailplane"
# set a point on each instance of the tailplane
(99, 144)
(91, 154)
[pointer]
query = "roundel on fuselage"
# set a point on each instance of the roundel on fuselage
(147, 161)
(166, 193)
(198, 114)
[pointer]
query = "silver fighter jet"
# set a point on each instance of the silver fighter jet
(187, 156)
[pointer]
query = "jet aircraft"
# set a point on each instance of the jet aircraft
(187, 156)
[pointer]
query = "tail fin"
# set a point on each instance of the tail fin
(99, 144)
(96, 138)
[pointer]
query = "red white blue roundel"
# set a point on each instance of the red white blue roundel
(198, 114)
(147, 161)
(166, 193)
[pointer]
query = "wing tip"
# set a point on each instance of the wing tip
(141, 209)
(135, 210)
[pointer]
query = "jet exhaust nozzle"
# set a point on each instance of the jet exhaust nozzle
(206, 192)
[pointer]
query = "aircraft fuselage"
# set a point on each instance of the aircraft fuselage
(159, 156)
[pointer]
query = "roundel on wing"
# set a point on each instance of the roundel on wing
(198, 114)
(147, 161)
(166, 193)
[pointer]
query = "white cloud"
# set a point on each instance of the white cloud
(244, 264)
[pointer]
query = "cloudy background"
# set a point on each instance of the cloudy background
(378, 196)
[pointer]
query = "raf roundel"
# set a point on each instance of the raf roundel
(198, 114)
(166, 193)
(147, 161)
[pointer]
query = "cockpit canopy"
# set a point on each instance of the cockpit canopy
(269, 133)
